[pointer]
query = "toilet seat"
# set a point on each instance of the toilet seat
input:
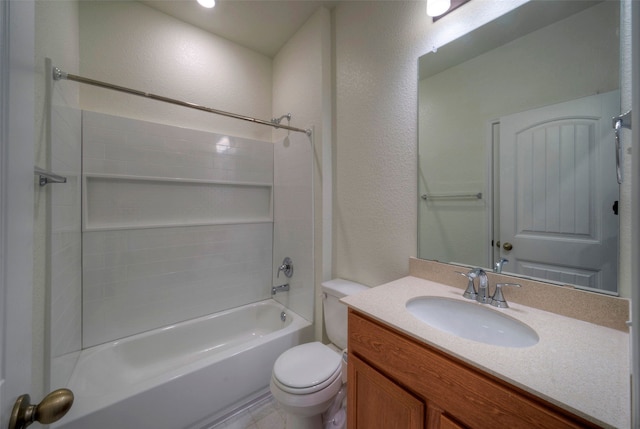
(307, 368)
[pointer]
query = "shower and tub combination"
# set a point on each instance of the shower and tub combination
(188, 375)
(181, 242)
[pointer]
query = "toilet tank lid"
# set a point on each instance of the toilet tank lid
(341, 288)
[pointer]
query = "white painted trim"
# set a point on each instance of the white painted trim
(4, 69)
(16, 194)
(490, 194)
(635, 211)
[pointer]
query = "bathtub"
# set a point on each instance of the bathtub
(186, 375)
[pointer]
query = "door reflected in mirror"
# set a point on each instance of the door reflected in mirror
(516, 149)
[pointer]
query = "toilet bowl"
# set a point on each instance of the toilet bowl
(308, 380)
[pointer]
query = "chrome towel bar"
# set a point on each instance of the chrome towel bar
(47, 177)
(426, 197)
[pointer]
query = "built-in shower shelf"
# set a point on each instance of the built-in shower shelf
(130, 202)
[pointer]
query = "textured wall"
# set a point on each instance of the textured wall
(376, 110)
(153, 52)
(377, 45)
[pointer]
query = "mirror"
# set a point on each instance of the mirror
(516, 150)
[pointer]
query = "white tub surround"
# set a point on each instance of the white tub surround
(186, 375)
(177, 224)
(579, 366)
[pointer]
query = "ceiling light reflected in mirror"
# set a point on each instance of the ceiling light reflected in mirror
(207, 3)
(437, 7)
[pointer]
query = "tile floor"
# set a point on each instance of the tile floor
(265, 414)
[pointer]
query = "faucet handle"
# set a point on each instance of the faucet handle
(497, 300)
(286, 268)
(470, 292)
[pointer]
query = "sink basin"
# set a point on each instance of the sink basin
(472, 321)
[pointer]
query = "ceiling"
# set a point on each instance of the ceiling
(261, 25)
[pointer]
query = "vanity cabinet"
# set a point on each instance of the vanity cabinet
(394, 407)
(395, 381)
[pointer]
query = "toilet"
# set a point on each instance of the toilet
(308, 381)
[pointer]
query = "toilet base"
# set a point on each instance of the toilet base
(302, 422)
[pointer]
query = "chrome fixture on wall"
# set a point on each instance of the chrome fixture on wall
(281, 288)
(46, 177)
(276, 121)
(58, 74)
(286, 267)
(476, 196)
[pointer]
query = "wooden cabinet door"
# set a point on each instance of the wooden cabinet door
(378, 403)
(447, 423)
(438, 419)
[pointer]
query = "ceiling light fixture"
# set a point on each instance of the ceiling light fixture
(207, 3)
(437, 7)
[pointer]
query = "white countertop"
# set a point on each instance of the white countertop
(579, 366)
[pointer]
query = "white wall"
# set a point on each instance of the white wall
(181, 61)
(302, 86)
(293, 221)
(57, 311)
(129, 44)
(377, 45)
(65, 275)
(375, 171)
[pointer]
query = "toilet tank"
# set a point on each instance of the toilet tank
(335, 313)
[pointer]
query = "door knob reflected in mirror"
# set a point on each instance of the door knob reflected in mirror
(51, 409)
(507, 246)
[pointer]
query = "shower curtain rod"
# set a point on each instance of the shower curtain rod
(59, 74)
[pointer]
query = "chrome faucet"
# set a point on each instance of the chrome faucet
(483, 286)
(281, 288)
(497, 268)
(286, 267)
(482, 295)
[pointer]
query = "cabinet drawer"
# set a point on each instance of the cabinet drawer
(473, 398)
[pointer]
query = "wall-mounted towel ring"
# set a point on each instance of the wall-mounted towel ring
(622, 121)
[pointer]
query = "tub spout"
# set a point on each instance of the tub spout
(281, 288)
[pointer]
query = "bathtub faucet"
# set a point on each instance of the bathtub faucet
(281, 288)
